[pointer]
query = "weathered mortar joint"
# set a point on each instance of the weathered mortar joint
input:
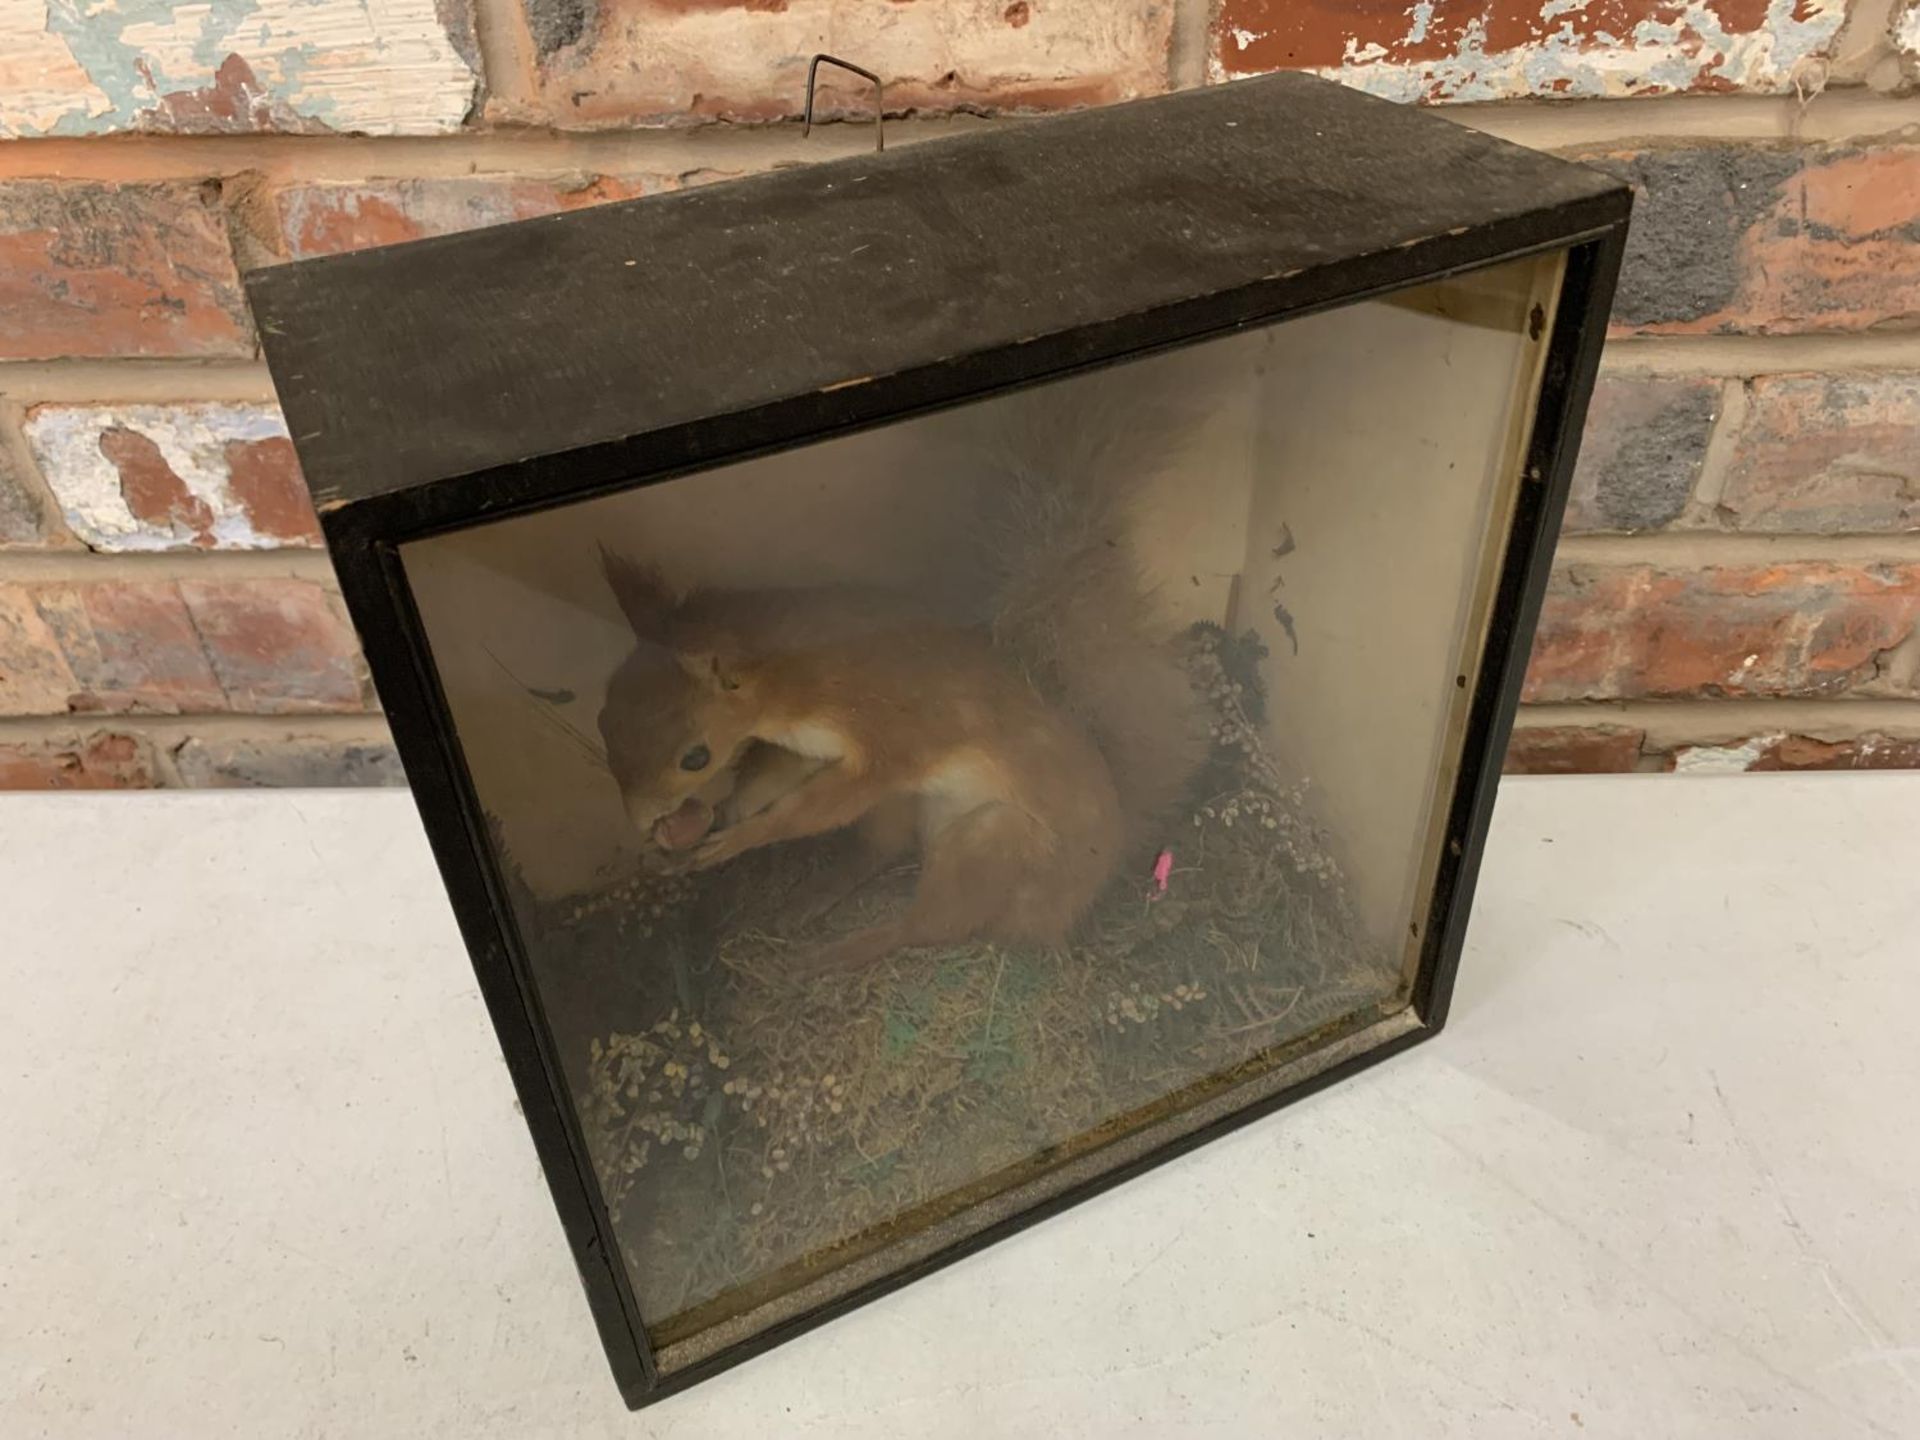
(251, 229)
(282, 759)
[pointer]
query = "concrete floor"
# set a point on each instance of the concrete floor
(261, 1173)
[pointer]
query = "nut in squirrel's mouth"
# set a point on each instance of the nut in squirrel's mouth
(706, 812)
(758, 776)
(687, 826)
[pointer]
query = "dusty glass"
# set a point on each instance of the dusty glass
(893, 822)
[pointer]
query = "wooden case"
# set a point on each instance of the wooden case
(1382, 326)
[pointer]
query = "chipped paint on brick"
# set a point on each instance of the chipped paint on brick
(1871, 750)
(1723, 759)
(167, 477)
(1511, 49)
(385, 67)
(153, 491)
(43, 87)
(682, 60)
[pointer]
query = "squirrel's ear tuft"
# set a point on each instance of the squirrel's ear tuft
(645, 598)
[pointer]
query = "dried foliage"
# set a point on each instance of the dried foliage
(752, 1123)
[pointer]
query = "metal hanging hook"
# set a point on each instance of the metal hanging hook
(879, 96)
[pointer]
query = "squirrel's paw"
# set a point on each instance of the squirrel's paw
(714, 850)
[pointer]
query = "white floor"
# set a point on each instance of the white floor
(261, 1173)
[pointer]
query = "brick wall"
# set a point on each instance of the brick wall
(1740, 582)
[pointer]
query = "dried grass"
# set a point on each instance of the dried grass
(745, 1118)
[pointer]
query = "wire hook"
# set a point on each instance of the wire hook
(879, 96)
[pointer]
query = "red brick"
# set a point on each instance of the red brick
(675, 60)
(263, 475)
(1645, 441)
(99, 270)
(166, 477)
(1861, 752)
(1743, 238)
(24, 522)
(1826, 454)
(95, 762)
(393, 67)
(278, 646)
(1573, 750)
(269, 646)
(1512, 49)
(34, 678)
(327, 219)
(1871, 751)
(1796, 629)
(130, 646)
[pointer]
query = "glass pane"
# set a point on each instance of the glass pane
(903, 819)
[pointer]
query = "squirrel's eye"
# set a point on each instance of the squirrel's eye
(696, 758)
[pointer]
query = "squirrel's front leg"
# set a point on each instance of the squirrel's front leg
(831, 798)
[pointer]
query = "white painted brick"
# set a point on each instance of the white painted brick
(1515, 49)
(162, 477)
(382, 67)
(667, 60)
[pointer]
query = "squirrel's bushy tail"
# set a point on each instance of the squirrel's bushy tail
(1066, 467)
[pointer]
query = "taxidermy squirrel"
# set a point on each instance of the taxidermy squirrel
(1027, 758)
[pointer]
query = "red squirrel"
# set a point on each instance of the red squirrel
(1025, 759)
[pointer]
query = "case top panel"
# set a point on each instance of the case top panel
(1001, 253)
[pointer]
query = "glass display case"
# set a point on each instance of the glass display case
(938, 680)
